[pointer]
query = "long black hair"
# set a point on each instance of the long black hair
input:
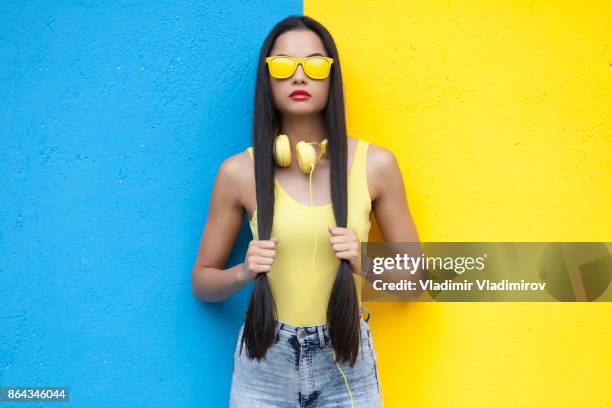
(343, 307)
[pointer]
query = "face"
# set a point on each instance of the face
(299, 44)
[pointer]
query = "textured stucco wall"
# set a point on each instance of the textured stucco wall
(113, 122)
(115, 118)
(499, 114)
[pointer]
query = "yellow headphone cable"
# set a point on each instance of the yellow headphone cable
(312, 167)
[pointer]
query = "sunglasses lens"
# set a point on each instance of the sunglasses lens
(317, 67)
(282, 67)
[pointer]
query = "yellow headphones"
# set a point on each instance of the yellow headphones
(306, 154)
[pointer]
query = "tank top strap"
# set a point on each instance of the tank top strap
(358, 182)
(250, 150)
(360, 156)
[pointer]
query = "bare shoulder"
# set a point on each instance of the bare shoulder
(381, 165)
(235, 173)
(237, 166)
(380, 158)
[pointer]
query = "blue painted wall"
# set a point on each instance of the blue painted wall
(114, 120)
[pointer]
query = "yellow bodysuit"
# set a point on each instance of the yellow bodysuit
(301, 296)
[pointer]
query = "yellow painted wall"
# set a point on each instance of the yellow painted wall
(499, 114)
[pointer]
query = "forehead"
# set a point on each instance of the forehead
(298, 43)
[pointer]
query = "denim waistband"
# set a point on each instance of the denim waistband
(322, 329)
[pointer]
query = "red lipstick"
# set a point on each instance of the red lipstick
(300, 95)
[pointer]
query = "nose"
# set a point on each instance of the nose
(299, 73)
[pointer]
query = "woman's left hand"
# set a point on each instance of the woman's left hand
(346, 244)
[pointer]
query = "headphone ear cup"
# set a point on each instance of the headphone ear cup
(282, 151)
(307, 156)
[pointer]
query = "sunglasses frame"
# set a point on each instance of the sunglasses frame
(299, 61)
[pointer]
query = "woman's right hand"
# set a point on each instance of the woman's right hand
(259, 258)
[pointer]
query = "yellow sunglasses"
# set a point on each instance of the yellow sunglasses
(283, 66)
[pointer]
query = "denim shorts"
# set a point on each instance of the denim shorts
(299, 371)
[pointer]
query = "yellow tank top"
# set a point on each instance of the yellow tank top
(301, 297)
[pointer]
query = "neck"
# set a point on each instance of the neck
(309, 128)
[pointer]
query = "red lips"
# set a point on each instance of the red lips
(299, 92)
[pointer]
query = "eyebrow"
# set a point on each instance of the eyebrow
(311, 55)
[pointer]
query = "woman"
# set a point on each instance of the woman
(304, 341)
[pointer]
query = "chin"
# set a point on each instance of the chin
(305, 109)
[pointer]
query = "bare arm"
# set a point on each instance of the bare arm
(390, 206)
(210, 281)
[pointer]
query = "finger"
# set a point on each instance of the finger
(263, 252)
(261, 260)
(265, 243)
(340, 247)
(339, 231)
(260, 269)
(336, 230)
(345, 246)
(337, 239)
(254, 261)
(346, 255)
